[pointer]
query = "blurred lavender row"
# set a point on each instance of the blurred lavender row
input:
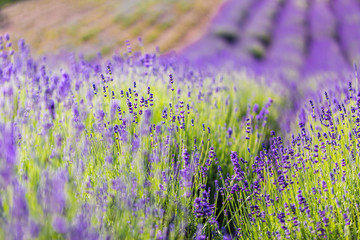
(295, 38)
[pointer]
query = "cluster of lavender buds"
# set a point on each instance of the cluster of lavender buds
(304, 186)
(120, 148)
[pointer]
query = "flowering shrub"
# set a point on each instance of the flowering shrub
(306, 188)
(127, 148)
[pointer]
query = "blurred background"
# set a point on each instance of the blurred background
(295, 38)
(92, 26)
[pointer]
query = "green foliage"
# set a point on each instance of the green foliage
(6, 2)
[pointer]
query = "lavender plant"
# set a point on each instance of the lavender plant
(305, 188)
(121, 148)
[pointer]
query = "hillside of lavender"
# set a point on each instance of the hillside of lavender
(294, 38)
(253, 132)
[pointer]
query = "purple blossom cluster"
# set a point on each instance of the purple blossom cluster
(308, 186)
(117, 148)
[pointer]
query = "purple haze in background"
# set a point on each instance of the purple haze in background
(298, 38)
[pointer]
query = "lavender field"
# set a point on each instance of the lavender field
(251, 132)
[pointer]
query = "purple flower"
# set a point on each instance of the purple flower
(8, 155)
(59, 224)
(114, 108)
(256, 108)
(281, 217)
(54, 196)
(229, 132)
(7, 37)
(239, 174)
(202, 207)
(20, 208)
(235, 188)
(34, 229)
(346, 219)
(65, 85)
(136, 143)
(324, 186)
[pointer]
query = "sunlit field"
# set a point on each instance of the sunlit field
(250, 134)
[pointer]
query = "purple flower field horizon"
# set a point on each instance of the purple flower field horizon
(250, 133)
(293, 38)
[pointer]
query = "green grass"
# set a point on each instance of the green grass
(89, 35)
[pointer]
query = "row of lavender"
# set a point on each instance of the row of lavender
(303, 189)
(296, 38)
(118, 149)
